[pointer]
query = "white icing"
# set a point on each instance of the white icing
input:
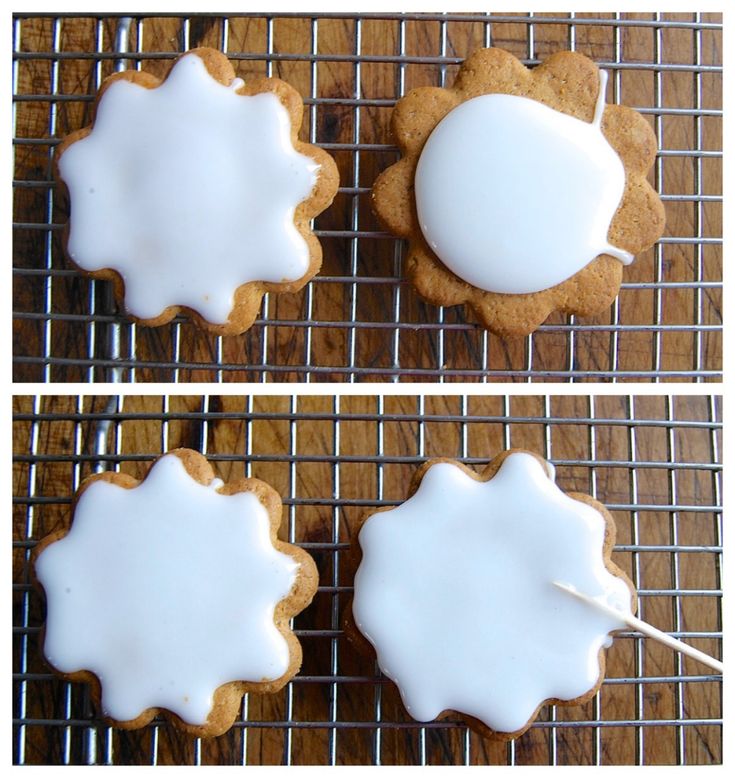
(188, 191)
(515, 197)
(455, 591)
(165, 592)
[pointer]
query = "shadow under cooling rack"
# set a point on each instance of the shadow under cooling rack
(358, 320)
(654, 461)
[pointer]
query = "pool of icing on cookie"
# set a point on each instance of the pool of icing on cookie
(455, 591)
(188, 191)
(515, 197)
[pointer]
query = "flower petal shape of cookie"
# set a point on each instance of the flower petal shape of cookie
(174, 594)
(194, 193)
(455, 592)
(519, 190)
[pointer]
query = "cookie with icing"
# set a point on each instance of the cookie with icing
(194, 193)
(455, 593)
(519, 191)
(173, 594)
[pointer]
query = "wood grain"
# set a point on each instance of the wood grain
(333, 460)
(671, 316)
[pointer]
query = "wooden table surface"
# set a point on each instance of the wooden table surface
(358, 321)
(333, 461)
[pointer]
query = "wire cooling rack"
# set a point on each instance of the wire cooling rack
(654, 461)
(358, 320)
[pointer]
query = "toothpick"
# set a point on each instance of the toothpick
(645, 628)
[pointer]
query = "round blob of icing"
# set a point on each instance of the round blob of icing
(455, 592)
(165, 592)
(515, 197)
(188, 191)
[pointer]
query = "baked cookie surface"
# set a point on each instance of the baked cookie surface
(173, 594)
(455, 592)
(194, 193)
(520, 192)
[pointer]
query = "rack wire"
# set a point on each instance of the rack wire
(358, 320)
(654, 461)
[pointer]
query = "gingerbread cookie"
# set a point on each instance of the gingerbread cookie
(520, 192)
(194, 193)
(455, 591)
(173, 594)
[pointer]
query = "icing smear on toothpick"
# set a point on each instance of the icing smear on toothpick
(628, 619)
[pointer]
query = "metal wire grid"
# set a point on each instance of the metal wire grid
(379, 330)
(655, 462)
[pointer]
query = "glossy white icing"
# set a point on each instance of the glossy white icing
(515, 197)
(188, 191)
(455, 591)
(165, 592)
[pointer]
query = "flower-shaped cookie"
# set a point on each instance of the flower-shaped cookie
(174, 594)
(519, 191)
(455, 591)
(194, 193)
